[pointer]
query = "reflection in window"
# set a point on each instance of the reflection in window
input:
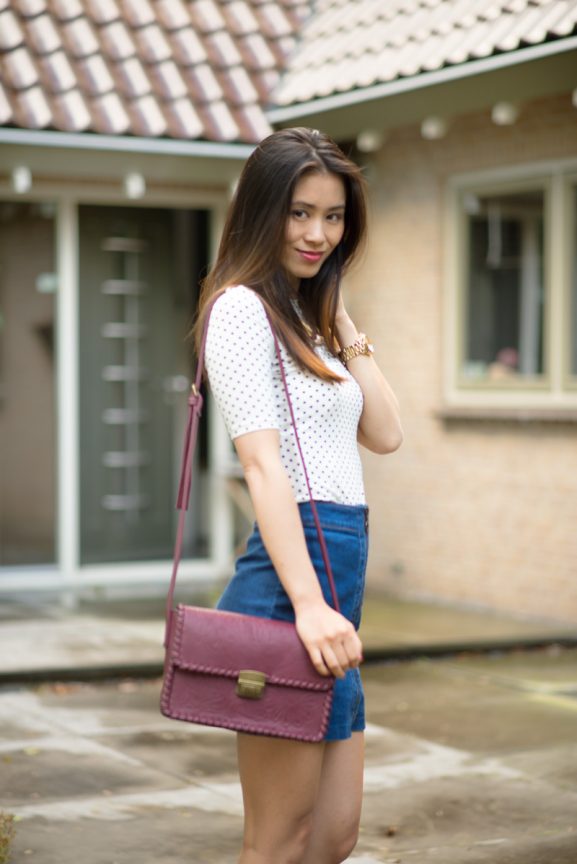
(504, 299)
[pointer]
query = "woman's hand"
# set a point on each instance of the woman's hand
(330, 639)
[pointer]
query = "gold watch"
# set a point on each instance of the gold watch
(360, 346)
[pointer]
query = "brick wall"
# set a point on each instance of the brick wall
(482, 513)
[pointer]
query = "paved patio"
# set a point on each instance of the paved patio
(469, 760)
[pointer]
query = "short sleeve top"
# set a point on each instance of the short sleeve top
(245, 380)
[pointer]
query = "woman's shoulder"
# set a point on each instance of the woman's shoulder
(239, 302)
(235, 296)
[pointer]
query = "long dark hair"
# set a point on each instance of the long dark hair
(254, 233)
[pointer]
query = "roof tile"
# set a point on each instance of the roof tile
(6, 113)
(152, 44)
(71, 112)
(147, 118)
(187, 47)
(167, 80)
(221, 50)
(520, 25)
(265, 82)
(256, 52)
(117, 41)
(137, 13)
(206, 16)
(219, 122)
(286, 46)
(79, 38)
(29, 8)
(94, 76)
(203, 84)
(43, 35)
(273, 21)
(172, 14)
(240, 18)
(66, 10)
(32, 109)
(110, 115)
(57, 73)
(18, 69)
(11, 34)
(132, 78)
(251, 122)
(237, 86)
(102, 11)
(559, 19)
(183, 121)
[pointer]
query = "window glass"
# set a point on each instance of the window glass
(138, 268)
(504, 292)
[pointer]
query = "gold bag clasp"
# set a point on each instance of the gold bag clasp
(250, 684)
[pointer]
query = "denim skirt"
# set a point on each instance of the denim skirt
(255, 589)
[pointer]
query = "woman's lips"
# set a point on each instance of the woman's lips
(313, 257)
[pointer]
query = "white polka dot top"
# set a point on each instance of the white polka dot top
(245, 380)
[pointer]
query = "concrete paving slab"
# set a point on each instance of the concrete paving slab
(390, 623)
(463, 767)
(451, 702)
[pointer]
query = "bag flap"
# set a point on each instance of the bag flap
(224, 643)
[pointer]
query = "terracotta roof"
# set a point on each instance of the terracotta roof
(350, 44)
(195, 69)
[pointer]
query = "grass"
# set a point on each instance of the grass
(6, 836)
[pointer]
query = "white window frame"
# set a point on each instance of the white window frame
(554, 392)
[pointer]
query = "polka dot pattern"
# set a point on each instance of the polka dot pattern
(245, 380)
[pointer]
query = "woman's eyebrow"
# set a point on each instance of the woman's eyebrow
(313, 206)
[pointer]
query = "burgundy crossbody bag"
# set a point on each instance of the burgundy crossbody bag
(232, 670)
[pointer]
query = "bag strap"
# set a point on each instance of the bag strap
(195, 403)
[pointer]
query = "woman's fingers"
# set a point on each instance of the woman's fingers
(331, 640)
(337, 655)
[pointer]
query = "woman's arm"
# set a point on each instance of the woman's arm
(330, 639)
(380, 426)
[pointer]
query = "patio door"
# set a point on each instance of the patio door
(138, 272)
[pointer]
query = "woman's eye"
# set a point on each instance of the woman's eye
(299, 214)
(336, 217)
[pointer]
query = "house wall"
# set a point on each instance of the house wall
(474, 512)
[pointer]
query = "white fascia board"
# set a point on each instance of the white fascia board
(418, 82)
(126, 144)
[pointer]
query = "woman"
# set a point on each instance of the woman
(296, 222)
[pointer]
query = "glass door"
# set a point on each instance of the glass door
(138, 277)
(27, 384)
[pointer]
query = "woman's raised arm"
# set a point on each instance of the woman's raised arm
(380, 426)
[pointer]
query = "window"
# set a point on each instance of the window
(504, 292)
(511, 291)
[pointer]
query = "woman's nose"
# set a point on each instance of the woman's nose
(314, 231)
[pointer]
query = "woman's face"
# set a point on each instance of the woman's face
(315, 224)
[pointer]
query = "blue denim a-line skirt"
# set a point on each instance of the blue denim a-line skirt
(255, 589)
